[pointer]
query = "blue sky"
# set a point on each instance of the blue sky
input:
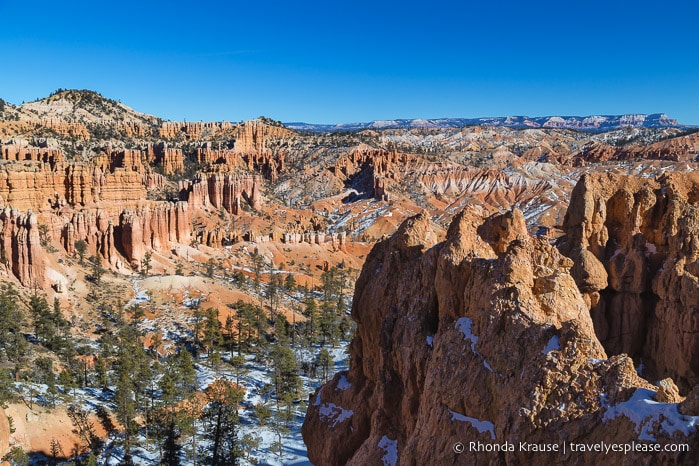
(331, 62)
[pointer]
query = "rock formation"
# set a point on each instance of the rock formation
(193, 130)
(16, 151)
(20, 248)
(169, 160)
(634, 245)
(96, 229)
(38, 186)
(223, 191)
(153, 227)
(482, 338)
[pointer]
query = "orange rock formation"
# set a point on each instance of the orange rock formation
(482, 338)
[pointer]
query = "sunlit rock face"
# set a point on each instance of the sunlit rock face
(482, 339)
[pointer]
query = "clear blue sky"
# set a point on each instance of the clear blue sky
(332, 61)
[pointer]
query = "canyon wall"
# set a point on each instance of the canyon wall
(20, 246)
(153, 227)
(634, 244)
(482, 338)
(222, 191)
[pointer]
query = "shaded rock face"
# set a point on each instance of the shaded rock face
(475, 339)
(96, 229)
(635, 248)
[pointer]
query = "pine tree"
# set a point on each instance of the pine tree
(171, 446)
(96, 268)
(221, 417)
(146, 264)
(212, 333)
(81, 249)
(286, 377)
(311, 315)
(325, 361)
(39, 310)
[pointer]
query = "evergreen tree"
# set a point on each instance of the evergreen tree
(7, 388)
(311, 315)
(273, 293)
(325, 361)
(238, 362)
(96, 268)
(81, 249)
(146, 264)
(221, 418)
(43, 325)
(171, 446)
(10, 315)
(286, 377)
(212, 333)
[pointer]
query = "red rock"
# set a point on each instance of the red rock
(457, 346)
(21, 250)
(643, 233)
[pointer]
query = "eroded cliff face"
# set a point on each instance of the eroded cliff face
(20, 248)
(223, 191)
(153, 227)
(485, 338)
(634, 244)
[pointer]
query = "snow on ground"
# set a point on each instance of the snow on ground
(254, 382)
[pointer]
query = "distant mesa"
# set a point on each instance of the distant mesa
(593, 123)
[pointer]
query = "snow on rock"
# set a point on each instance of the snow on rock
(552, 345)
(343, 383)
(390, 458)
(481, 426)
(464, 324)
(316, 402)
(647, 414)
(334, 414)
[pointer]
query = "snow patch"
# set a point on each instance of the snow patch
(464, 324)
(650, 249)
(552, 345)
(316, 402)
(647, 414)
(333, 414)
(343, 383)
(390, 458)
(481, 426)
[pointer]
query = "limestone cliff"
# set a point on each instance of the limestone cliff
(481, 338)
